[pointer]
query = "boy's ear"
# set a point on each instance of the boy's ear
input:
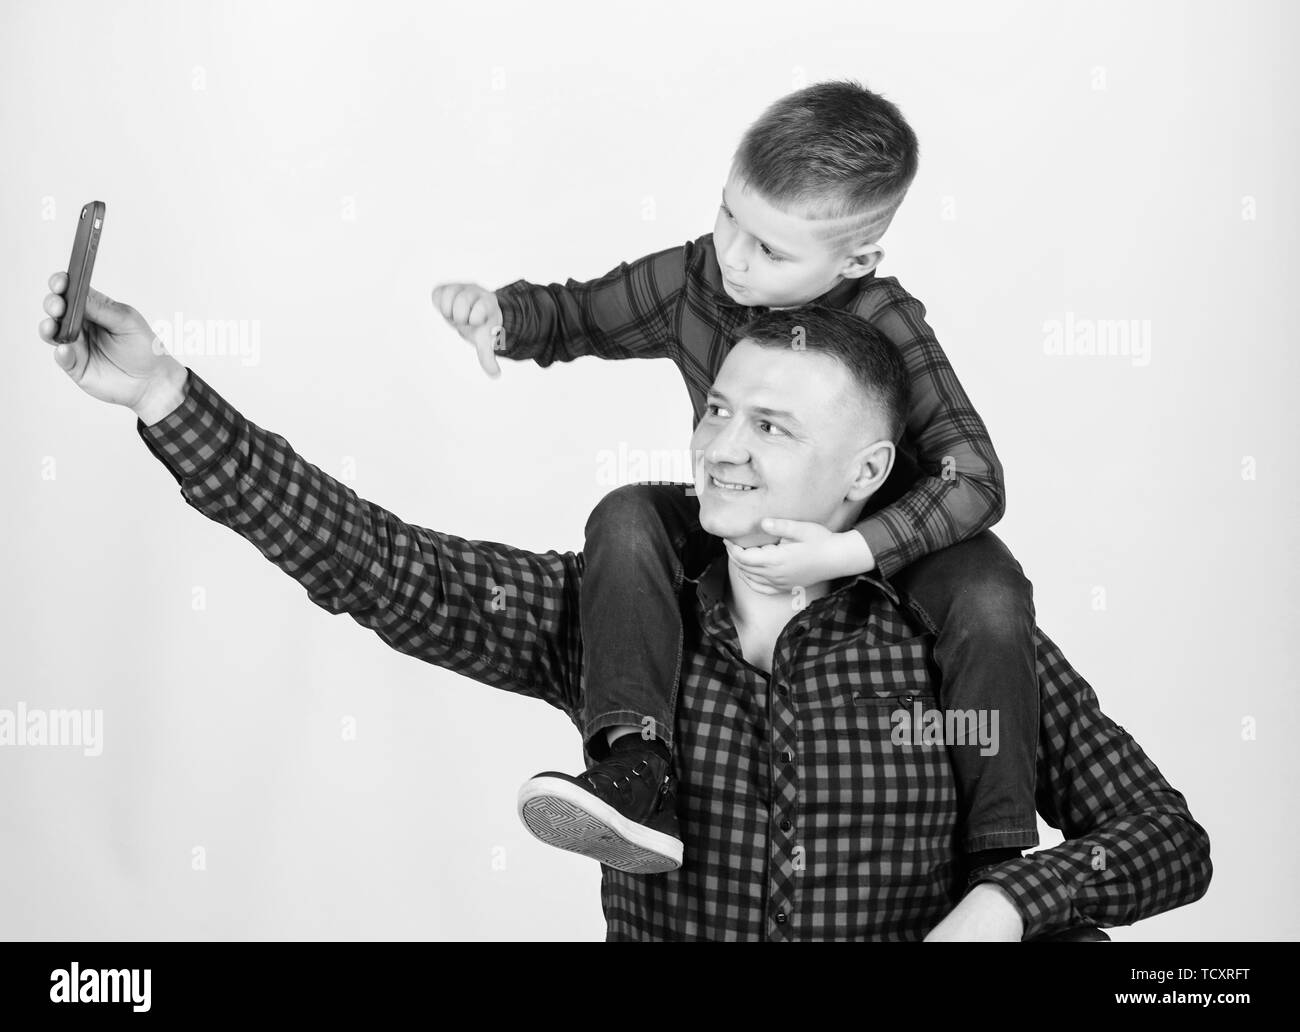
(862, 260)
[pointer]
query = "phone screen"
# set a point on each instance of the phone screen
(80, 266)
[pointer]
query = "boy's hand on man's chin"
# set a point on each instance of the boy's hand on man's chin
(799, 552)
(752, 544)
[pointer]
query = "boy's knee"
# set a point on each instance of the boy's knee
(997, 607)
(628, 511)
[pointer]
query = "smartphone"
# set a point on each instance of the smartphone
(80, 265)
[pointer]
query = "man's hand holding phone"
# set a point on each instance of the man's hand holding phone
(474, 312)
(116, 357)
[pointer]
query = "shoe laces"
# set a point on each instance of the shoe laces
(611, 768)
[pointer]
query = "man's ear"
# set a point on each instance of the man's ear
(861, 261)
(872, 465)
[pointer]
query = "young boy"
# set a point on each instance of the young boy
(812, 187)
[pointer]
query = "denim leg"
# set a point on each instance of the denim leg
(636, 538)
(982, 607)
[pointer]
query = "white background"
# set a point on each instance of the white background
(1097, 159)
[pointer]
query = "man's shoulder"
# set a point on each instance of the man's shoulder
(1068, 705)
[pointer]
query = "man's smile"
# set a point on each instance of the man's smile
(726, 485)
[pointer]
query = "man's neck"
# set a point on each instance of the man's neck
(763, 616)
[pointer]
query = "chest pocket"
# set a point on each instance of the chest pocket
(896, 674)
(865, 768)
(855, 678)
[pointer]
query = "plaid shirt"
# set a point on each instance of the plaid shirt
(802, 817)
(672, 305)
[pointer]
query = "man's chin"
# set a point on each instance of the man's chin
(743, 531)
(756, 538)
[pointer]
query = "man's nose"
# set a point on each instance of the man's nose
(728, 446)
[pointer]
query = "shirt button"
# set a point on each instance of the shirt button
(789, 756)
(786, 825)
(780, 917)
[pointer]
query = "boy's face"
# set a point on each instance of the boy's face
(772, 258)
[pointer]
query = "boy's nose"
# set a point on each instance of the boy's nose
(733, 258)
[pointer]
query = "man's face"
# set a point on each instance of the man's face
(775, 259)
(790, 429)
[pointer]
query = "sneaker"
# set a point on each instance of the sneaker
(621, 812)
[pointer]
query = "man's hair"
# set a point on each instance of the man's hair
(833, 151)
(875, 365)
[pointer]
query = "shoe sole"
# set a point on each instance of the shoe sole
(567, 816)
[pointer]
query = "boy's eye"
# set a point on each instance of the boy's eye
(727, 212)
(773, 257)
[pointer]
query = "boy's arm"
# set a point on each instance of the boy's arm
(630, 312)
(503, 616)
(960, 490)
(1132, 848)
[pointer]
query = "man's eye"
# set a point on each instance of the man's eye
(772, 425)
(712, 409)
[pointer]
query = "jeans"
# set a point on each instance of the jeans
(976, 599)
(641, 539)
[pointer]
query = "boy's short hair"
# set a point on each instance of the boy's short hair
(832, 151)
(873, 361)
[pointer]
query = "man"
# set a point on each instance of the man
(805, 813)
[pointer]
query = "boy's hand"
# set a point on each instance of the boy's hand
(477, 317)
(808, 553)
(116, 357)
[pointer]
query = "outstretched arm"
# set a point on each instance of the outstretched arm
(630, 312)
(503, 616)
